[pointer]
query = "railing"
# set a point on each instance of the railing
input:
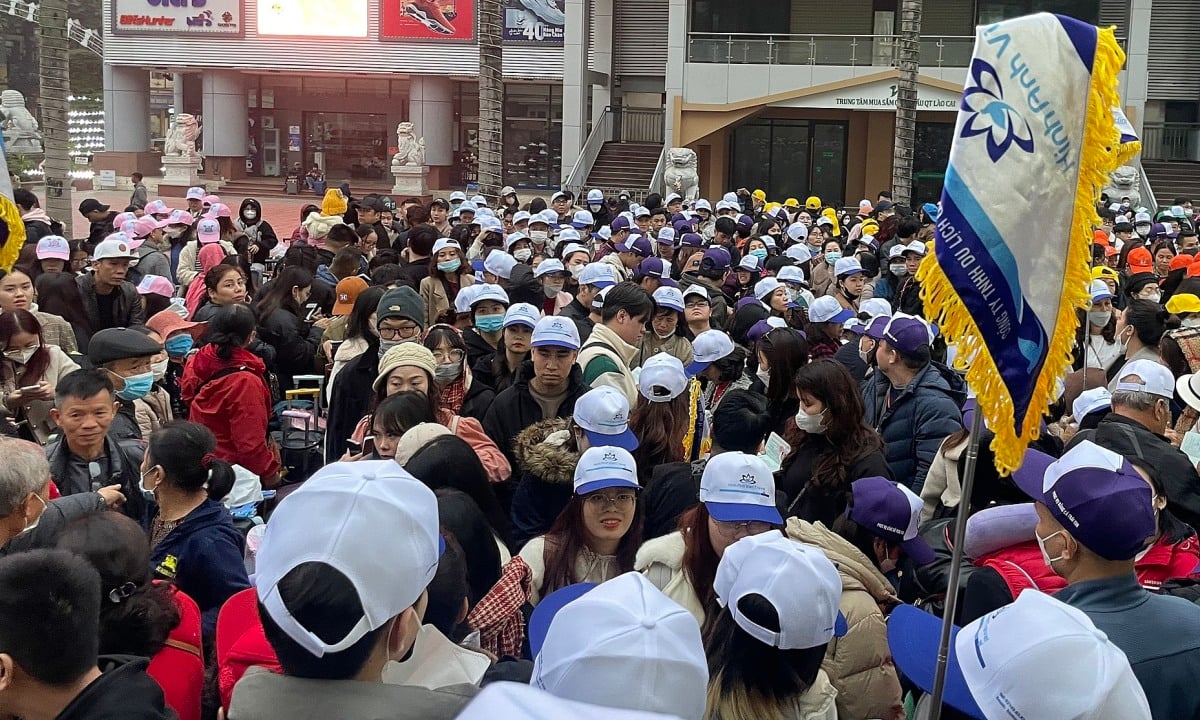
(1148, 199)
(616, 124)
(852, 50)
(1171, 141)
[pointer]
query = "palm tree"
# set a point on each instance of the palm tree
(908, 51)
(55, 79)
(491, 99)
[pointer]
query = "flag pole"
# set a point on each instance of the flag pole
(960, 532)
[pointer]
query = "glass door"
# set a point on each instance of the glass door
(347, 145)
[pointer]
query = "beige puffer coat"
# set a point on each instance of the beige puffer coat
(859, 664)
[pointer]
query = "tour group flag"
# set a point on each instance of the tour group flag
(1033, 145)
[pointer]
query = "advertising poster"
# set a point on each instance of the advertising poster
(448, 20)
(534, 21)
(312, 18)
(197, 17)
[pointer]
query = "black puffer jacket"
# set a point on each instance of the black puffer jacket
(516, 409)
(258, 231)
(547, 474)
(120, 465)
(295, 344)
(350, 399)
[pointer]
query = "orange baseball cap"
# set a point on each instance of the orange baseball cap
(1139, 260)
(1180, 261)
(1193, 270)
(347, 292)
(1099, 237)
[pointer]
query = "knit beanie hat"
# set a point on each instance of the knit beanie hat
(401, 302)
(334, 203)
(407, 354)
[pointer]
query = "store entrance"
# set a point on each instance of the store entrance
(790, 158)
(347, 145)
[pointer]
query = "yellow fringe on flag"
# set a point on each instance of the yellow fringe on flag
(1101, 152)
(11, 215)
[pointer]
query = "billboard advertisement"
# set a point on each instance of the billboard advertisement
(191, 17)
(313, 18)
(447, 20)
(534, 21)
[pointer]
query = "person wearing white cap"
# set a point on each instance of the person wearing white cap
(825, 318)
(849, 283)
(489, 302)
(545, 388)
(553, 276)
(597, 533)
(109, 300)
(1101, 347)
(697, 308)
(773, 294)
(668, 417)
(779, 612)
(667, 329)
(516, 701)
(907, 297)
(339, 601)
(1037, 659)
(448, 275)
(513, 350)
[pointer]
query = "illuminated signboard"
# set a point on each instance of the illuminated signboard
(181, 17)
(313, 18)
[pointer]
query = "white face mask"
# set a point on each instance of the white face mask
(34, 524)
(250, 214)
(765, 377)
(810, 423)
(1041, 541)
(1100, 318)
(21, 356)
(1153, 297)
(576, 270)
(159, 369)
(538, 236)
(523, 254)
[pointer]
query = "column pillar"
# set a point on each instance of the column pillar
(576, 84)
(677, 27)
(225, 123)
(431, 111)
(605, 30)
(126, 109)
(177, 86)
(1137, 61)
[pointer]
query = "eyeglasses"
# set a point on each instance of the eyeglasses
(696, 304)
(736, 529)
(401, 332)
(448, 356)
(621, 501)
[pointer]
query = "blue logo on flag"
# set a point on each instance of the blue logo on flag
(990, 115)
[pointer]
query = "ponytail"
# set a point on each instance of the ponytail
(185, 452)
(220, 479)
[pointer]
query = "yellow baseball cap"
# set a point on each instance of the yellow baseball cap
(813, 203)
(771, 207)
(791, 202)
(1185, 302)
(759, 195)
(1105, 273)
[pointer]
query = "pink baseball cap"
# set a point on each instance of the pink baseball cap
(156, 285)
(156, 207)
(53, 247)
(218, 210)
(208, 231)
(210, 200)
(129, 227)
(180, 217)
(145, 225)
(120, 219)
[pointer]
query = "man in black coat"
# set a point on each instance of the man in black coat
(100, 217)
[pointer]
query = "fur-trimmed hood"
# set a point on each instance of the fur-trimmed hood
(544, 456)
(858, 572)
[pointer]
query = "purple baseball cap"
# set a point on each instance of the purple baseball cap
(892, 512)
(745, 221)
(652, 267)
(718, 256)
(907, 334)
(683, 227)
(637, 244)
(1101, 500)
(762, 327)
(619, 223)
(691, 239)
(875, 328)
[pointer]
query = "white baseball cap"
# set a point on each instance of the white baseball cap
(799, 581)
(466, 206)
(517, 701)
(875, 307)
(737, 487)
(559, 195)
(702, 204)
(798, 253)
(1036, 658)
(828, 309)
(624, 644)
(481, 201)
(488, 291)
(195, 193)
(665, 236)
(487, 223)
(466, 295)
(520, 216)
(445, 244)
(669, 297)
(708, 347)
(598, 301)
(114, 247)
(763, 288)
(385, 541)
(522, 314)
(500, 264)
(1146, 376)
(696, 289)
(458, 196)
(847, 266)
(547, 266)
(574, 247)
(599, 274)
(513, 238)
(792, 274)
(603, 415)
(662, 378)
(749, 263)
(556, 331)
(1089, 401)
(916, 246)
(582, 219)
(1188, 387)
(595, 195)
(605, 466)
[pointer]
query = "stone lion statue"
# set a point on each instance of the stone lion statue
(1123, 182)
(681, 176)
(20, 127)
(181, 137)
(409, 149)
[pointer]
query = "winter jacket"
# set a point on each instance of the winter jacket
(547, 473)
(123, 690)
(908, 298)
(477, 347)
(1171, 468)
(673, 489)
(676, 345)
(188, 266)
(580, 316)
(917, 421)
(150, 261)
(613, 260)
(125, 424)
(822, 503)
(661, 561)
(859, 663)
(848, 356)
(202, 557)
(153, 411)
(1166, 560)
(119, 465)
(608, 360)
(127, 306)
(295, 343)
(515, 409)
(718, 302)
(589, 567)
(38, 225)
(57, 331)
(350, 398)
(58, 513)
(234, 406)
(37, 413)
(259, 232)
(1160, 636)
(178, 667)
(943, 487)
(102, 228)
(477, 400)
(436, 295)
(264, 695)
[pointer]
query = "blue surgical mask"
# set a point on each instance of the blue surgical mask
(179, 346)
(759, 253)
(137, 386)
(489, 323)
(449, 266)
(833, 257)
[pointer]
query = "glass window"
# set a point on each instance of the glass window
(990, 11)
(931, 154)
(532, 135)
(347, 145)
(790, 158)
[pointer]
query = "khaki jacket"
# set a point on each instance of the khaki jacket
(434, 295)
(38, 412)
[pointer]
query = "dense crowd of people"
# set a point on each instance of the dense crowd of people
(667, 458)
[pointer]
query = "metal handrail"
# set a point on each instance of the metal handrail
(1148, 199)
(621, 124)
(600, 134)
(823, 49)
(1171, 141)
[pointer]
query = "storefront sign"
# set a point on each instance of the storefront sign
(878, 95)
(183, 17)
(534, 21)
(449, 20)
(293, 138)
(313, 18)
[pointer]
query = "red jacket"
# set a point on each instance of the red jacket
(1164, 561)
(235, 407)
(179, 667)
(241, 643)
(1022, 566)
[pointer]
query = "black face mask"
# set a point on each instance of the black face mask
(847, 293)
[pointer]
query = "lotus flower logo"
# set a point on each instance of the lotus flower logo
(988, 114)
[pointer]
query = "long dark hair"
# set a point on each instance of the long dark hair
(399, 413)
(451, 462)
(230, 328)
(502, 375)
(184, 450)
(59, 295)
(358, 323)
(660, 428)
(279, 295)
(136, 614)
(12, 323)
(786, 351)
(699, 558)
(566, 540)
(847, 435)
